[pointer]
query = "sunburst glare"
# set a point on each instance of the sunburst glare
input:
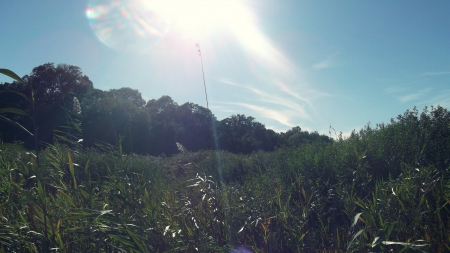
(139, 25)
(170, 28)
(126, 25)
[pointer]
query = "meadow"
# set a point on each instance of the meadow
(385, 188)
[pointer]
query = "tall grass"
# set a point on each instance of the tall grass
(383, 189)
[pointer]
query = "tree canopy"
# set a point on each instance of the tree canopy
(123, 117)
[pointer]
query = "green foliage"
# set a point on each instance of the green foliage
(16, 111)
(51, 90)
(13, 75)
(383, 189)
(12, 110)
(147, 128)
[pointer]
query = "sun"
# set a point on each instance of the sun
(138, 24)
(200, 16)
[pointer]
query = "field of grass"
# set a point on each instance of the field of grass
(382, 189)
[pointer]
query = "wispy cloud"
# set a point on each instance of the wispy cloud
(327, 63)
(422, 97)
(404, 94)
(226, 81)
(264, 97)
(442, 99)
(286, 89)
(414, 96)
(309, 94)
(409, 97)
(435, 73)
(266, 113)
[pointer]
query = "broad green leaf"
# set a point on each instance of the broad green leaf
(136, 240)
(389, 230)
(356, 219)
(41, 191)
(123, 241)
(354, 237)
(407, 246)
(16, 92)
(13, 75)
(86, 166)
(12, 122)
(13, 110)
(63, 138)
(72, 170)
(404, 244)
(375, 242)
(369, 218)
(67, 197)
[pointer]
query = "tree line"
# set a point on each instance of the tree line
(123, 117)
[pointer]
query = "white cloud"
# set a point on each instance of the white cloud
(221, 108)
(311, 94)
(408, 96)
(286, 89)
(442, 99)
(264, 97)
(413, 96)
(323, 65)
(327, 63)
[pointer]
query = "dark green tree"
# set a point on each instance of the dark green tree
(118, 117)
(128, 94)
(296, 137)
(196, 121)
(239, 134)
(165, 128)
(54, 88)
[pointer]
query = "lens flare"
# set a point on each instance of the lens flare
(126, 25)
(142, 25)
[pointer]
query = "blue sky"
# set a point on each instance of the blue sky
(286, 63)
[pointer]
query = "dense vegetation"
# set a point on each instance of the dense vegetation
(151, 127)
(384, 188)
